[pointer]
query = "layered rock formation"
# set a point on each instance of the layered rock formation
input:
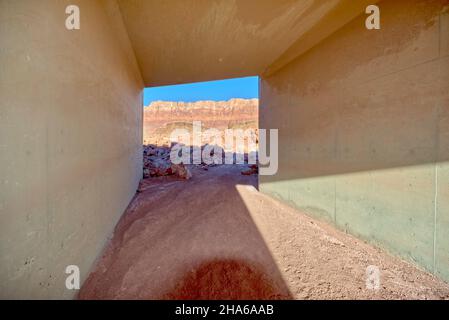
(161, 117)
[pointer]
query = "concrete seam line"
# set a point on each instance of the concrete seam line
(435, 218)
(439, 34)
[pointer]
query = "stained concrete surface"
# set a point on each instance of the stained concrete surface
(216, 236)
(70, 141)
(210, 40)
(363, 131)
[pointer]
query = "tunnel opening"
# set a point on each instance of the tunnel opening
(201, 124)
(356, 208)
(194, 216)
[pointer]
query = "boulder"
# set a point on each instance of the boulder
(181, 171)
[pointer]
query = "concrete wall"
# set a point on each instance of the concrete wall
(70, 140)
(363, 121)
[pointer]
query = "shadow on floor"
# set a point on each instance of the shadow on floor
(226, 279)
(191, 239)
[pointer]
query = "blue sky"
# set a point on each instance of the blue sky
(211, 90)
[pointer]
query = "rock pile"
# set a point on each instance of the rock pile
(156, 163)
(253, 169)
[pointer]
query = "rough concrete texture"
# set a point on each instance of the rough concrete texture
(364, 131)
(201, 40)
(70, 140)
(216, 237)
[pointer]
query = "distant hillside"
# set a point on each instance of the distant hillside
(161, 117)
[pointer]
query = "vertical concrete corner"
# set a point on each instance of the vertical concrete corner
(70, 140)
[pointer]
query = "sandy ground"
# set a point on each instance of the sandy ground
(215, 236)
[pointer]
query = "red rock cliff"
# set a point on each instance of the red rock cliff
(160, 117)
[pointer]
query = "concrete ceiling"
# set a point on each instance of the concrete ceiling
(182, 41)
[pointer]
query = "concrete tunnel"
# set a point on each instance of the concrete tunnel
(363, 118)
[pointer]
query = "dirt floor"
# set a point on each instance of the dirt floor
(215, 236)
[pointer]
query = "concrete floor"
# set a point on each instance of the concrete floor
(216, 236)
